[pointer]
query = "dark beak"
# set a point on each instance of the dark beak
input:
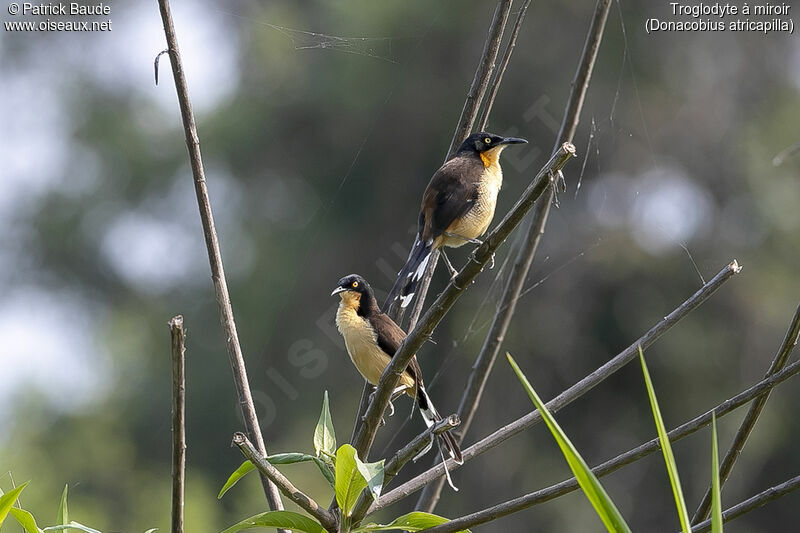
(337, 290)
(513, 140)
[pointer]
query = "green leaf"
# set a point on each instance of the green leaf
(373, 475)
(26, 520)
(716, 501)
(72, 525)
(152, 530)
(324, 435)
(326, 471)
(591, 486)
(415, 521)
(63, 509)
(279, 519)
(7, 500)
(349, 481)
(669, 458)
(244, 469)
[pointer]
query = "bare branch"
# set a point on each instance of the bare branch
(571, 394)
(482, 367)
(512, 42)
(772, 493)
(178, 335)
(612, 465)
(749, 422)
(482, 75)
(212, 245)
(304, 501)
(445, 301)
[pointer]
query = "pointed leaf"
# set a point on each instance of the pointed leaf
(244, 469)
(72, 525)
(349, 481)
(26, 520)
(373, 475)
(63, 509)
(666, 448)
(7, 500)
(326, 471)
(591, 486)
(716, 501)
(324, 435)
(415, 521)
(278, 519)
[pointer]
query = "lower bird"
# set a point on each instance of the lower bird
(457, 207)
(372, 338)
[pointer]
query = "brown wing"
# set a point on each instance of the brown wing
(390, 337)
(451, 193)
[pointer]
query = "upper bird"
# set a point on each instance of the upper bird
(457, 206)
(372, 338)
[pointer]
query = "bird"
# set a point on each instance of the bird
(457, 207)
(371, 339)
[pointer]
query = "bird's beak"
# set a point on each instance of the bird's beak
(513, 140)
(337, 290)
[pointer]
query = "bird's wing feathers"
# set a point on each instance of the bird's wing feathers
(390, 336)
(451, 193)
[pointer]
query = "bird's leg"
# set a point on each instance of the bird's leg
(465, 239)
(395, 394)
(448, 264)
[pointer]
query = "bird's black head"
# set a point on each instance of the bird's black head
(352, 283)
(482, 142)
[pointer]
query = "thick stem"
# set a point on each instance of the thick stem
(749, 422)
(178, 335)
(214, 255)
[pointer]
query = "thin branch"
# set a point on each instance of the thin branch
(403, 456)
(612, 465)
(470, 400)
(304, 501)
(749, 422)
(178, 336)
(512, 42)
(214, 255)
(772, 493)
(482, 76)
(571, 394)
(448, 297)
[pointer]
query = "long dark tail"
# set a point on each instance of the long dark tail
(408, 278)
(431, 416)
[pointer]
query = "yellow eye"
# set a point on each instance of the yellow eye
(487, 140)
(355, 284)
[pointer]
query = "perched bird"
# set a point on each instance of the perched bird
(457, 207)
(372, 338)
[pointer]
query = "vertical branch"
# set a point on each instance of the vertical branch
(482, 367)
(178, 335)
(750, 419)
(214, 255)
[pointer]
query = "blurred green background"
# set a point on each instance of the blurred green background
(320, 124)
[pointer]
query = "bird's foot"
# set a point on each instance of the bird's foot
(449, 265)
(491, 262)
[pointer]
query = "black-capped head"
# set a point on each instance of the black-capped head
(357, 293)
(483, 141)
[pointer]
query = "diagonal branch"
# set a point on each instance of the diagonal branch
(304, 501)
(214, 255)
(749, 422)
(612, 465)
(750, 504)
(571, 394)
(454, 289)
(482, 367)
